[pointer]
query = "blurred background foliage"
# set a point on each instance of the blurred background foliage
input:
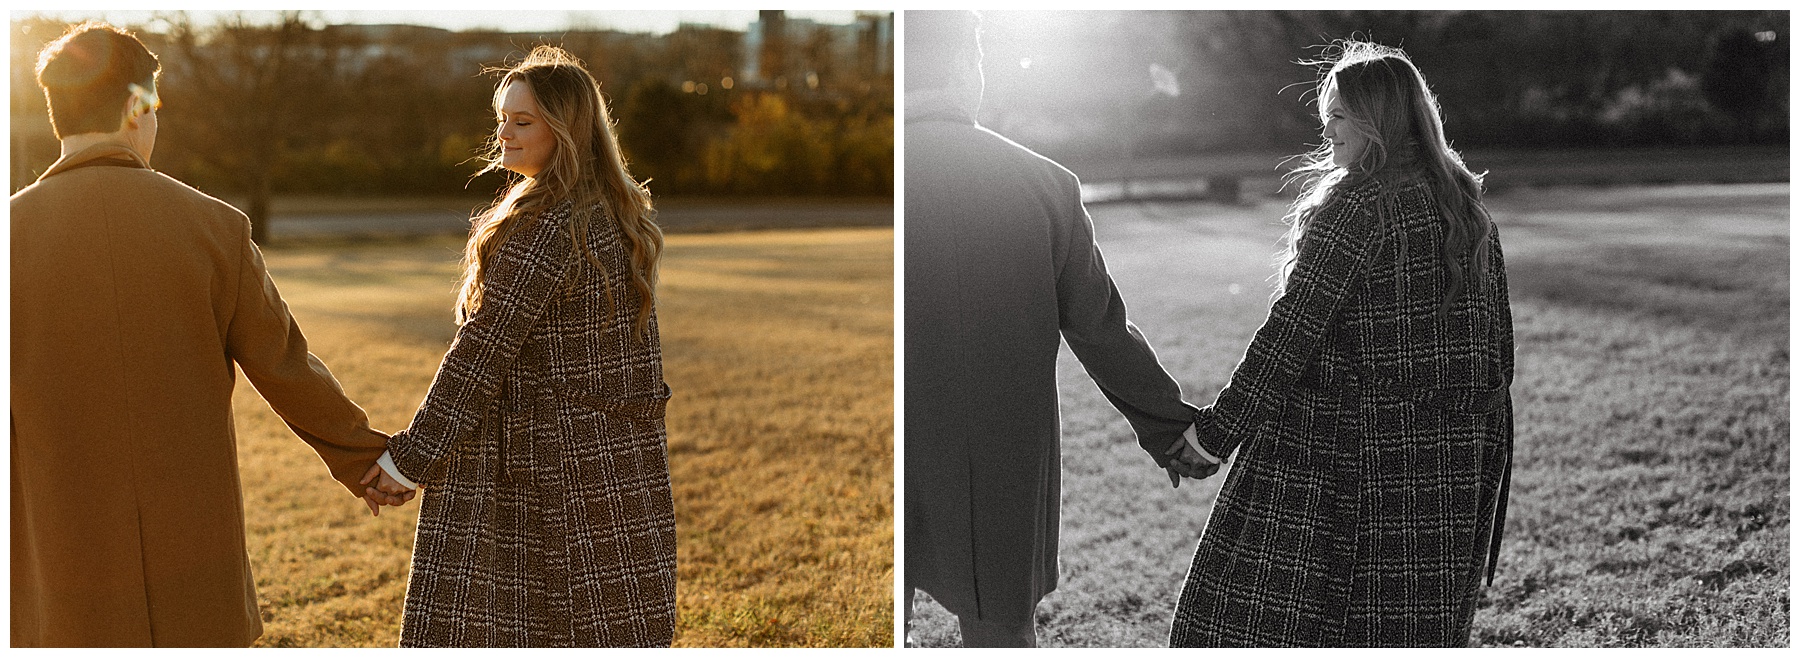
(1079, 85)
(296, 106)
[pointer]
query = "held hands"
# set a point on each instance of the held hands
(385, 490)
(1187, 462)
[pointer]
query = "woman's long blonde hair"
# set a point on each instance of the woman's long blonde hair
(1388, 103)
(586, 170)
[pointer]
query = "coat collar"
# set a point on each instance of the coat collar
(112, 150)
(941, 105)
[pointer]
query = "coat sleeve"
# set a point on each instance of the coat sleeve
(1506, 348)
(1118, 358)
(1505, 328)
(525, 274)
(265, 341)
(1332, 254)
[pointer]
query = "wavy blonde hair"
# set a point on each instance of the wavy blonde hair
(1386, 101)
(586, 170)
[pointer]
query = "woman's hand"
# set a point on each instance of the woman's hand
(1188, 462)
(385, 492)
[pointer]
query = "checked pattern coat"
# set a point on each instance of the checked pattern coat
(546, 518)
(1373, 438)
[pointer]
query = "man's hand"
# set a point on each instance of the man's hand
(385, 492)
(1187, 462)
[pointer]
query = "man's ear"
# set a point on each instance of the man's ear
(130, 119)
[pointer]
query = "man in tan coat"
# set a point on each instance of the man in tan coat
(132, 296)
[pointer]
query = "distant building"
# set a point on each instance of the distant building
(780, 51)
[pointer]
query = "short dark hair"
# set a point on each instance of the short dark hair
(938, 45)
(87, 74)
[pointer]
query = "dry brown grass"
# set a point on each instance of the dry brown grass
(1650, 495)
(779, 346)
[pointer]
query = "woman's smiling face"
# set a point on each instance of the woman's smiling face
(1346, 143)
(524, 135)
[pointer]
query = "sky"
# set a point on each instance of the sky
(510, 21)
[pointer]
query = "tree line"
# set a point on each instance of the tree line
(1511, 79)
(295, 106)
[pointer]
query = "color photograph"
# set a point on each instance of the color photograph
(448, 328)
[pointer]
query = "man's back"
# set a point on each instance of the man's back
(987, 229)
(118, 273)
(982, 242)
(132, 295)
(1001, 266)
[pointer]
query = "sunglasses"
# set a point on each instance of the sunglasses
(147, 100)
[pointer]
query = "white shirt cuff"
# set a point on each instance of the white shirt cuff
(1194, 442)
(386, 461)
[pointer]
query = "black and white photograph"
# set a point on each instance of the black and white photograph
(1345, 328)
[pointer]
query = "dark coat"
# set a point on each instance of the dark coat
(1001, 266)
(546, 518)
(132, 297)
(1373, 435)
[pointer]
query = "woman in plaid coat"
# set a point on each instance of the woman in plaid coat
(547, 518)
(1370, 414)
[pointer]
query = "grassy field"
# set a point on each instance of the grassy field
(779, 347)
(1650, 499)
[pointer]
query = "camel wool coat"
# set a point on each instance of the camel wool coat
(132, 297)
(1001, 267)
(547, 517)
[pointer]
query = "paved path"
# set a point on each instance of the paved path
(1257, 175)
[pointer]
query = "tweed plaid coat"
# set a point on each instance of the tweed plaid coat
(546, 518)
(1374, 439)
